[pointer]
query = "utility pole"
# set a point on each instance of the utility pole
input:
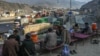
(70, 13)
(70, 5)
(67, 36)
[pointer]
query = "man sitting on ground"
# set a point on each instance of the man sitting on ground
(86, 28)
(28, 46)
(51, 38)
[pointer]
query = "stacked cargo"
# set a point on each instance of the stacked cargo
(36, 27)
(42, 20)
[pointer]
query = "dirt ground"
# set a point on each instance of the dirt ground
(86, 49)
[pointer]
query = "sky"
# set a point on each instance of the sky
(44, 0)
(83, 0)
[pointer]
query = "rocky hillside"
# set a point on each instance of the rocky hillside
(50, 3)
(92, 8)
(13, 6)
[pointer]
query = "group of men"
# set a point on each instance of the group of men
(14, 47)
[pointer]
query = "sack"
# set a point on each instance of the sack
(65, 51)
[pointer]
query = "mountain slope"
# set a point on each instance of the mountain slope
(12, 6)
(51, 3)
(92, 7)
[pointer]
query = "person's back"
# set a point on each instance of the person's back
(17, 37)
(28, 46)
(51, 39)
(86, 29)
(10, 47)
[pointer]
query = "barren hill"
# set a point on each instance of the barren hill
(93, 8)
(13, 6)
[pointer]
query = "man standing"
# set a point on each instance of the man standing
(10, 47)
(17, 37)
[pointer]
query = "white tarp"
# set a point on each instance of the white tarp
(79, 19)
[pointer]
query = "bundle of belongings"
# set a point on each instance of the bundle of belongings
(36, 27)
